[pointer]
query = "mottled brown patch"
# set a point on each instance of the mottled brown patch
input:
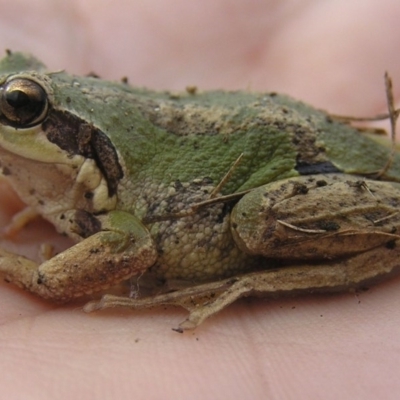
(75, 136)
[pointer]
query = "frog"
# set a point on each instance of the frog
(191, 199)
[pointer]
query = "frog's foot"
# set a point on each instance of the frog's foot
(202, 301)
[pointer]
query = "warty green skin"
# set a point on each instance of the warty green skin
(174, 149)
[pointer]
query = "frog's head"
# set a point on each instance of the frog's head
(55, 160)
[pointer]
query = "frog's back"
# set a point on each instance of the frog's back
(193, 135)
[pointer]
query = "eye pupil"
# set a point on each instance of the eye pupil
(17, 98)
(23, 103)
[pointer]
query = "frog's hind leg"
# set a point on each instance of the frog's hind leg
(202, 301)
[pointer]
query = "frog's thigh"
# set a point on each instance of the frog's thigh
(101, 260)
(317, 217)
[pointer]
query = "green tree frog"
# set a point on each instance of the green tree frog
(198, 198)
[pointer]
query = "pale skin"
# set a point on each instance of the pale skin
(343, 346)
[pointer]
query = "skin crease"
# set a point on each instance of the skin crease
(331, 54)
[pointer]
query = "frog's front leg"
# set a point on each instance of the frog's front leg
(121, 248)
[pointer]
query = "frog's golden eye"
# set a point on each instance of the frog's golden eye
(23, 103)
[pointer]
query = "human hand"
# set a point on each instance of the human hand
(332, 55)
